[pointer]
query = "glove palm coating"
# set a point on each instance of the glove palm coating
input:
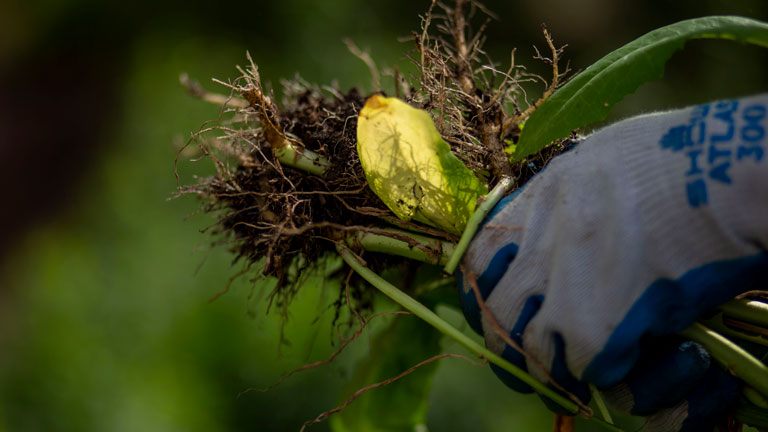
(619, 244)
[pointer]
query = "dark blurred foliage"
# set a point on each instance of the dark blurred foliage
(103, 320)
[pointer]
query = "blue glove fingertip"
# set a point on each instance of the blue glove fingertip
(667, 377)
(512, 355)
(715, 395)
(564, 378)
(485, 284)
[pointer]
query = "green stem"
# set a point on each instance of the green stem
(716, 324)
(474, 222)
(421, 311)
(305, 160)
(385, 244)
(444, 327)
(600, 403)
(752, 415)
(733, 357)
(751, 311)
(755, 398)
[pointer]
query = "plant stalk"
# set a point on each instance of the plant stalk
(305, 160)
(752, 415)
(600, 402)
(751, 311)
(716, 323)
(755, 398)
(474, 222)
(421, 311)
(734, 358)
(371, 242)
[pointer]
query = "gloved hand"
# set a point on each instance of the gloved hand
(621, 243)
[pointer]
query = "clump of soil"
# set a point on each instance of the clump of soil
(286, 218)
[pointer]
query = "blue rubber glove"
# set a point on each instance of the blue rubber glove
(621, 243)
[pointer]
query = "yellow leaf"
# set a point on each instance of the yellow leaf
(411, 168)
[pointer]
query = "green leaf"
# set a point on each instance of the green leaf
(590, 95)
(402, 405)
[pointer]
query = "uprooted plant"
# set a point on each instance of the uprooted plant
(289, 178)
(290, 188)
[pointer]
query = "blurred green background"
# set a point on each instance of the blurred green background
(104, 282)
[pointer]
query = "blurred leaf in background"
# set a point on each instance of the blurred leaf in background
(401, 405)
(104, 319)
